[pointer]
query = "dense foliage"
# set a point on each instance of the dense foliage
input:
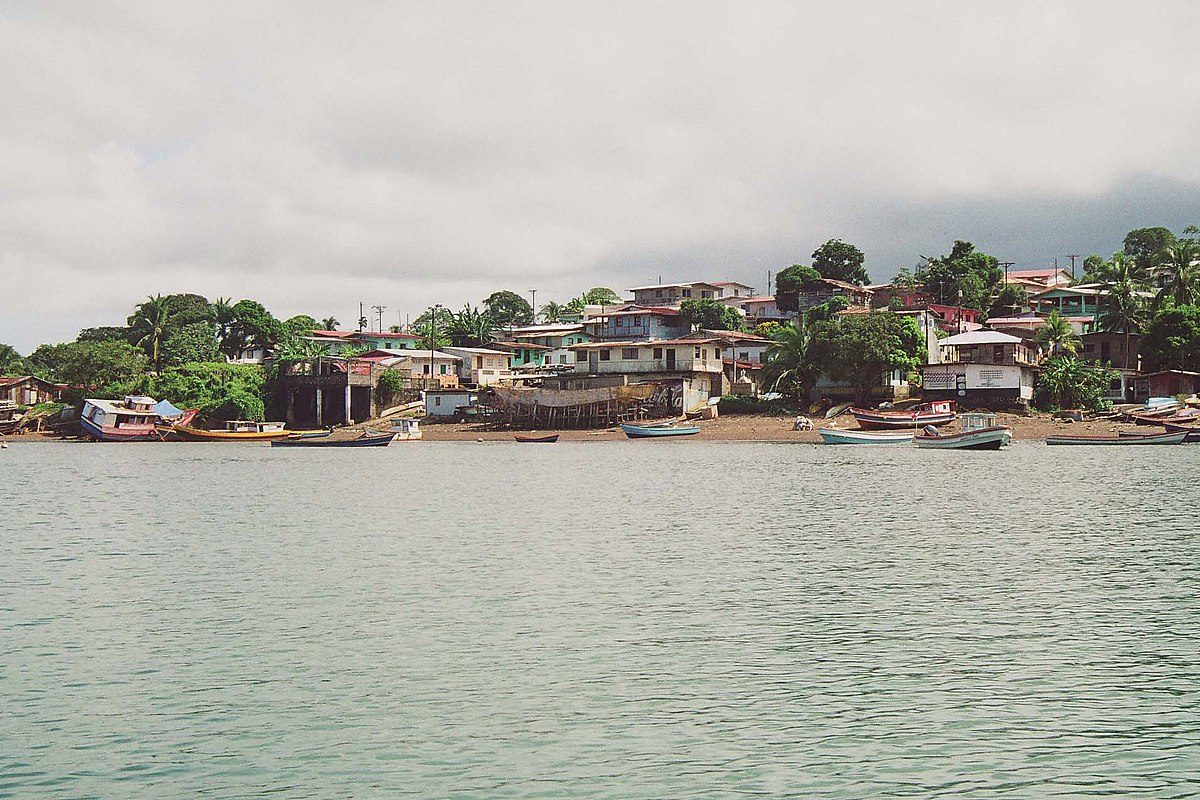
(965, 277)
(219, 390)
(1172, 340)
(508, 308)
(841, 261)
(788, 283)
(1066, 382)
(859, 349)
(711, 314)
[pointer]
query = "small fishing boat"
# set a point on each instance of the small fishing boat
(366, 440)
(238, 430)
(406, 429)
(1192, 431)
(990, 438)
(939, 412)
(1136, 439)
(534, 439)
(132, 419)
(645, 432)
(833, 436)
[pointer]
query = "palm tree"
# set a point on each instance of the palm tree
(1124, 306)
(551, 312)
(226, 320)
(790, 367)
(471, 328)
(330, 324)
(1180, 274)
(150, 322)
(1057, 335)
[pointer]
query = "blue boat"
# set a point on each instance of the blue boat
(645, 432)
(833, 436)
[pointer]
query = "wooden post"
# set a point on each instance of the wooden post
(320, 398)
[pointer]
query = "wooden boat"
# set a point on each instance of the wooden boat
(132, 419)
(832, 436)
(366, 440)
(238, 430)
(533, 439)
(1135, 439)
(644, 432)
(991, 438)
(939, 412)
(1192, 431)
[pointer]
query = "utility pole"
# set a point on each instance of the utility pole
(433, 315)
(379, 315)
(533, 295)
(362, 320)
(768, 283)
(1006, 265)
(1073, 256)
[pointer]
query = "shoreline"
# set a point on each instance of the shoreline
(729, 428)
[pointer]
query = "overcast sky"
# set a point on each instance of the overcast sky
(314, 155)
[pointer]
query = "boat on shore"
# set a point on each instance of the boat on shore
(238, 430)
(834, 436)
(938, 412)
(366, 440)
(647, 432)
(1136, 438)
(1192, 430)
(989, 438)
(131, 419)
(550, 439)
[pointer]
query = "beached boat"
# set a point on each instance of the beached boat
(238, 430)
(940, 412)
(537, 439)
(366, 440)
(406, 430)
(132, 419)
(832, 436)
(1192, 431)
(1135, 439)
(645, 432)
(990, 438)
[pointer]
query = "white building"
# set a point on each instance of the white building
(479, 366)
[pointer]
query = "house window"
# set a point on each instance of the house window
(580, 357)
(658, 292)
(442, 369)
(705, 295)
(606, 355)
(629, 353)
(620, 322)
(697, 355)
(658, 352)
(437, 400)
(744, 355)
(998, 353)
(687, 292)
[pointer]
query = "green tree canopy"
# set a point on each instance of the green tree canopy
(841, 261)
(859, 349)
(1009, 300)
(790, 365)
(965, 277)
(1066, 382)
(551, 312)
(1179, 273)
(1146, 245)
(11, 362)
(712, 314)
(192, 343)
(301, 325)
(104, 333)
(788, 283)
(187, 309)
(252, 326)
(149, 327)
(601, 296)
(330, 323)
(1172, 340)
(89, 364)
(508, 308)
(471, 328)
(1057, 335)
(219, 391)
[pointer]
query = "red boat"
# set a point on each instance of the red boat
(533, 439)
(939, 412)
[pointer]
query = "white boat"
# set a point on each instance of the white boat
(833, 436)
(406, 429)
(992, 438)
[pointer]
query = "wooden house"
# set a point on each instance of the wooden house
(29, 390)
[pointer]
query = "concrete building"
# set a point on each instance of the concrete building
(982, 369)
(481, 366)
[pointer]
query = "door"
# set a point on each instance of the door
(670, 358)
(594, 361)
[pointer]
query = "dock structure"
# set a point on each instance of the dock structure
(329, 390)
(562, 409)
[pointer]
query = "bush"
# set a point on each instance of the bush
(389, 385)
(1066, 382)
(221, 391)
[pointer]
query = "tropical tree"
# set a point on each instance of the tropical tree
(1009, 300)
(431, 327)
(1147, 245)
(1172, 339)
(225, 320)
(1066, 382)
(104, 333)
(89, 364)
(508, 308)
(601, 296)
(330, 323)
(790, 367)
(1179, 274)
(711, 314)
(859, 349)
(1057, 335)
(965, 277)
(551, 312)
(1124, 308)
(841, 261)
(471, 328)
(788, 283)
(149, 327)
(11, 362)
(301, 324)
(191, 344)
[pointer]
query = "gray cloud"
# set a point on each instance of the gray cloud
(313, 156)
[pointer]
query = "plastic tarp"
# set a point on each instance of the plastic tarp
(164, 409)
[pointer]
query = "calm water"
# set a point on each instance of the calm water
(633, 620)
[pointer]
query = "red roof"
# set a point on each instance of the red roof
(334, 334)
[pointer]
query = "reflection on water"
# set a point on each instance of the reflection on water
(641, 619)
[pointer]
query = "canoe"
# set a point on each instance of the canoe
(1137, 438)
(832, 436)
(643, 432)
(533, 439)
(936, 413)
(992, 438)
(380, 440)
(1192, 431)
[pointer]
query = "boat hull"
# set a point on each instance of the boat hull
(363, 441)
(642, 432)
(537, 439)
(831, 436)
(1137, 439)
(894, 420)
(1192, 431)
(141, 433)
(200, 435)
(979, 439)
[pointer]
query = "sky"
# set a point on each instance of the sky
(313, 156)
